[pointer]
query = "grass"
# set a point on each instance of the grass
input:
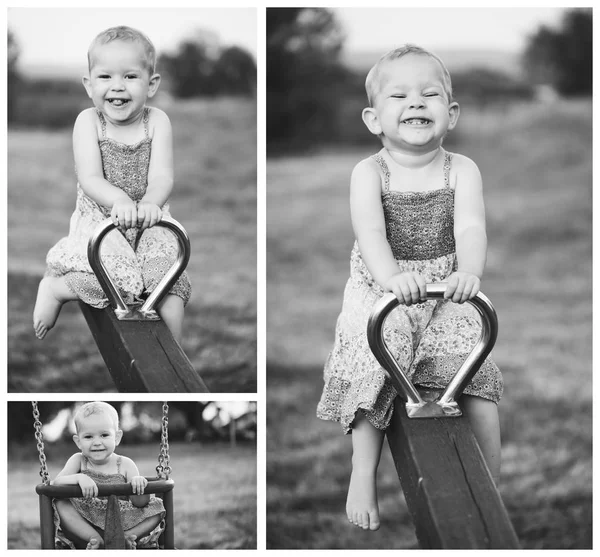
(214, 497)
(538, 198)
(214, 199)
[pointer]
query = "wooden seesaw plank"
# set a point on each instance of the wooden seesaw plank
(142, 356)
(447, 485)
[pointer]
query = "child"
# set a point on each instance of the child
(81, 520)
(124, 164)
(418, 216)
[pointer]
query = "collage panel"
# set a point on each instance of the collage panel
(132, 475)
(132, 185)
(408, 150)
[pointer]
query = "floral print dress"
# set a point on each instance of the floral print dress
(136, 261)
(430, 340)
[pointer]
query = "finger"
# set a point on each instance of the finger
(449, 288)
(415, 291)
(422, 288)
(406, 294)
(398, 293)
(141, 215)
(458, 293)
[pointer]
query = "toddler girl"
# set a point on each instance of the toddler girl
(418, 216)
(124, 164)
(81, 520)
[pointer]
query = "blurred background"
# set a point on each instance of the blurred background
(523, 78)
(212, 449)
(207, 61)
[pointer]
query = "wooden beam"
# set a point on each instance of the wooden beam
(142, 356)
(447, 485)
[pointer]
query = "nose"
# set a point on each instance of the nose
(117, 84)
(417, 102)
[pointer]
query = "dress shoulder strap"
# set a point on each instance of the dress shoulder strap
(83, 464)
(118, 465)
(102, 123)
(447, 166)
(385, 171)
(146, 119)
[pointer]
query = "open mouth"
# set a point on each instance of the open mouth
(416, 121)
(118, 102)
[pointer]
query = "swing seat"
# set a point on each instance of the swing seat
(160, 487)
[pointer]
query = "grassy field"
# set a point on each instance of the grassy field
(537, 168)
(214, 199)
(214, 497)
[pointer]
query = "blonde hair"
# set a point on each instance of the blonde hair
(127, 34)
(90, 408)
(374, 76)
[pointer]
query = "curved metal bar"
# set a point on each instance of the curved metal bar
(107, 284)
(68, 491)
(447, 401)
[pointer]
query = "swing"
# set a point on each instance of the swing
(161, 485)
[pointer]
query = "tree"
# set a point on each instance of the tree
(200, 67)
(303, 74)
(13, 78)
(563, 57)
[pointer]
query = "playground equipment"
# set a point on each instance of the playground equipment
(137, 347)
(160, 485)
(448, 488)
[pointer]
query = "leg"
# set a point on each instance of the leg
(140, 530)
(53, 292)
(171, 310)
(361, 505)
(485, 422)
(74, 525)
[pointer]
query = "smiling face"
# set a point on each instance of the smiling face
(97, 437)
(120, 81)
(412, 111)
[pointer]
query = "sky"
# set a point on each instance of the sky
(59, 37)
(443, 28)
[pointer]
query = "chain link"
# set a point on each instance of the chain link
(163, 469)
(37, 425)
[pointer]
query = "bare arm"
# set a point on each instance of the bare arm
(469, 232)
(469, 220)
(368, 221)
(138, 483)
(160, 172)
(88, 162)
(70, 473)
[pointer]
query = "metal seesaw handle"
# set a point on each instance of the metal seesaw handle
(106, 282)
(447, 401)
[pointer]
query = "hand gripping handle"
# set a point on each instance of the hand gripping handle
(446, 404)
(146, 311)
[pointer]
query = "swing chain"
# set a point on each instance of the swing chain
(37, 424)
(164, 469)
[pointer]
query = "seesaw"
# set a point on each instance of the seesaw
(139, 351)
(448, 488)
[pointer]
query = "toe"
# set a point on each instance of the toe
(374, 522)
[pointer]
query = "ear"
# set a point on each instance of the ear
(76, 440)
(88, 85)
(369, 116)
(453, 113)
(118, 436)
(153, 85)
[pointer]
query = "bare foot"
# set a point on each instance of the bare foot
(361, 506)
(94, 543)
(130, 541)
(47, 307)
